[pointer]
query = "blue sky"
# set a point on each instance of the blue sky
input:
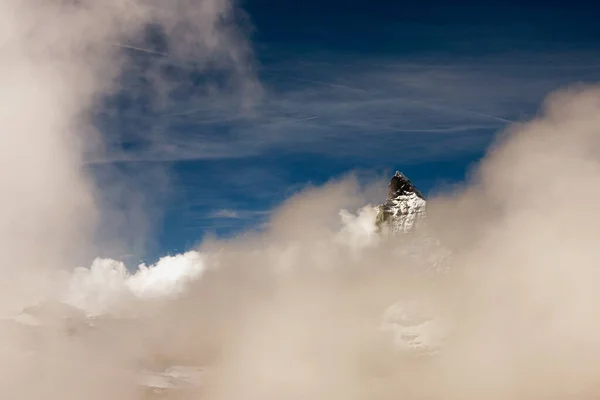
(335, 87)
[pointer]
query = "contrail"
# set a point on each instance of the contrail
(425, 103)
(327, 84)
(316, 82)
(289, 120)
(455, 110)
(305, 119)
(490, 116)
(143, 50)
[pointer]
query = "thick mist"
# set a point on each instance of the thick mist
(296, 312)
(299, 310)
(60, 60)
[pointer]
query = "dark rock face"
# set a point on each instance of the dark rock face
(403, 208)
(400, 185)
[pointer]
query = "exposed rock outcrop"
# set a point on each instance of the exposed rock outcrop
(404, 207)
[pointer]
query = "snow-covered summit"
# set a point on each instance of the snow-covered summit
(404, 207)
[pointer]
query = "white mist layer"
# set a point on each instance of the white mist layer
(358, 230)
(101, 287)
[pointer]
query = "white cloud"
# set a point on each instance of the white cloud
(359, 230)
(107, 282)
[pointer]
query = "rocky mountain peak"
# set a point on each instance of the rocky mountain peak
(404, 207)
(400, 185)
